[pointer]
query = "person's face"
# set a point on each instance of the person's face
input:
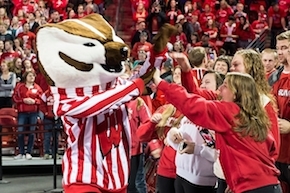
(30, 78)
(240, 7)
(143, 38)
(269, 62)
(262, 8)
(193, 38)
(1, 45)
(209, 82)
(20, 13)
(282, 47)
(210, 22)
(4, 67)
(242, 20)
(27, 51)
(221, 67)
(14, 20)
(176, 46)
(80, 9)
(2, 28)
(173, 3)
(142, 26)
(2, 11)
(226, 94)
(7, 46)
(18, 63)
(26, 27)
(238, 64)
(16, 43)
(72, 13)
(276, 8)
(206, 8)
(142, 56)
(31, 16)
(177, 76)
(27, 64)
(136, 69)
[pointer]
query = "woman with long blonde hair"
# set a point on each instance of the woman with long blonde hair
(247, 146)
(244, 61)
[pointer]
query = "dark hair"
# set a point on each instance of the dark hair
(224, 59)
(219, 77)
(232, 18)
(25, 74)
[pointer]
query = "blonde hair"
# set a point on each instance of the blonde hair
(166, 114)
(252, 119)
(255, 68)
(270, 51)
(283, 36)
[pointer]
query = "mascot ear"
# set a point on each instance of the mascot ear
(159, 49)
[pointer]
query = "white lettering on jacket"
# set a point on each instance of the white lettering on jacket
(284, 92)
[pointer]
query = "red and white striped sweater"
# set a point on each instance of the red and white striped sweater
(96, 122)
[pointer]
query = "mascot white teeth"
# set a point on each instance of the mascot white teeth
(82, 60)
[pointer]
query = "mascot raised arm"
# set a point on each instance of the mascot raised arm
(82, 60)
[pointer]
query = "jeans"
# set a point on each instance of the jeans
(49, 124)
(26, 118)
(140, 176)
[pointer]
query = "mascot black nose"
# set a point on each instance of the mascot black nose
(124, 51)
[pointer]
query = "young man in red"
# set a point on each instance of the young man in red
(27, 36)
(281, 92)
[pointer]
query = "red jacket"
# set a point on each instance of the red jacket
(46, 106)
(21, 92)
(245, 35)
(236, 152)
(191, 87)
(281, 92)
(138, 113)
(147, 132)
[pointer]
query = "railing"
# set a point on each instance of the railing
(117, 16)
(55, 129)
(259, 43)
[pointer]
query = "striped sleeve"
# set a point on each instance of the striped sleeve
(86, 106)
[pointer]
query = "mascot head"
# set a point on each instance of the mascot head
(80, 52)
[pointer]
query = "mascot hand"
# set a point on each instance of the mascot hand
(158, 53)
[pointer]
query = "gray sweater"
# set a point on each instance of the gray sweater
(6, 88)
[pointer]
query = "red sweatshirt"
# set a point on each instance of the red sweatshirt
(21, 92)
(146, 133)
(242, 151)
(138, 113)
(281, 92)
(188, 83)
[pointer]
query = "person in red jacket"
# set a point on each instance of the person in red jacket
(27, 96)
(50, 121)
(242, 131)
(138, 113)
(245, 32)
(156, 128)
(244, 61)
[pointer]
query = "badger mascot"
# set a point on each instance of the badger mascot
(82, 60)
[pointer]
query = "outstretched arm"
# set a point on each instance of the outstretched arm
(86, 106)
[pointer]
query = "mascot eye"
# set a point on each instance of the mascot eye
(89, 44)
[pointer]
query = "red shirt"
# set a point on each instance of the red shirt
(139, 114)
(59, 6)
(172, 16)
(138, 46)
(223, 14)
(198, 73)
(21, 92)
(276, 17)
(245, 35)
(180, 37)
(240, 176)
(27, 38)
(259, 25)
(27, 8)
(9, 56)
(147, 132)
(46, 105)
(211, 31)
(204, 17)
(281, 92)
(284, 4)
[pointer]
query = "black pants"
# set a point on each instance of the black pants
(183, 186)
(285, 175)
(222, 186)
(274, 33)
(135, 160)
(5, 102)
(165, 185)
(230, 48)
(267, 189)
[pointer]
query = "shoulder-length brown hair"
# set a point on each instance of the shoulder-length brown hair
(252, 119)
